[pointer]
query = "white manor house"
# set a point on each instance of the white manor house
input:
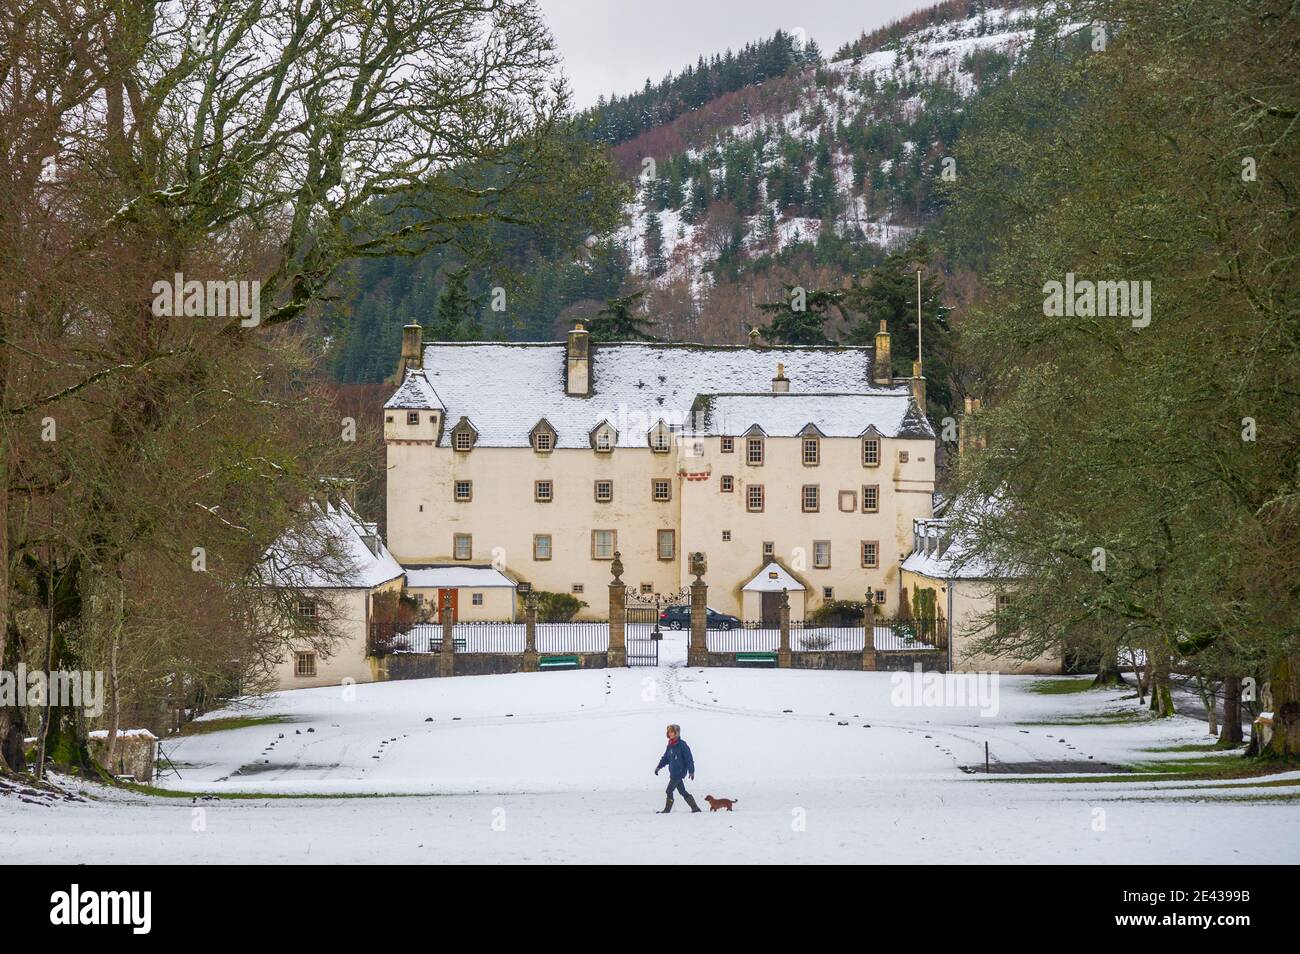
(798, 468)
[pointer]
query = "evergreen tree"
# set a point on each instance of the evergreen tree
(801, 318)
(455, 317)
(889, 295)
(618, 322)
(654, 245)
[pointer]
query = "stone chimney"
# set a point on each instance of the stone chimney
(881, 370)
(967, 439)
(577, 381)
(412, 350)
(780, 383)
(918, 386)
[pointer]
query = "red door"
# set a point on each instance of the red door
(448, 598)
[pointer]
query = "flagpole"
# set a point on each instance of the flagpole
(918, 320)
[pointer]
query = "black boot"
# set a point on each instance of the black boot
(668, 806)
(690, 800)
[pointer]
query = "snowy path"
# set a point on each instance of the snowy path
(557, 767)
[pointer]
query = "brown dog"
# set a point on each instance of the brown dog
(716, 803)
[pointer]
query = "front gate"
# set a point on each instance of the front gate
(643, 625)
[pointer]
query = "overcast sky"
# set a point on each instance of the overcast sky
(613, 45)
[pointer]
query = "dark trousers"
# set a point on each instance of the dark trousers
(676, 783)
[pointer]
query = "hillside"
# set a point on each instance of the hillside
(750, 173)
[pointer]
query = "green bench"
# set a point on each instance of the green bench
(756, 659)
(458, 644)
(558, 662)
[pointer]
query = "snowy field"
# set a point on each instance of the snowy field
(557, 767)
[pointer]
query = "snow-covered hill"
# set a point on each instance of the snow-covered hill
(855, 146)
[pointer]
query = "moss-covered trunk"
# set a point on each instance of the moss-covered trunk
(1284, 681)
(1230, 733)
(1162, 698)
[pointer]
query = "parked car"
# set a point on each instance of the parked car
(679, 617)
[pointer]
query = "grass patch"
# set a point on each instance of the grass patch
(1196, 747)
(1191, 770)
(1059, 687)
(142, 789)
(1100, 718)
(230, 722)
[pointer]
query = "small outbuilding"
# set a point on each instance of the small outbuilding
(760, 598)
(473, 592)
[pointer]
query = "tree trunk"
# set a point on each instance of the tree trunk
(1231, 731)
(11, 754)
(116, 621)
(1208, 700)
(49, 664)
(1284, 681)
(1162, 699)
(1140, 678)
(1108, 673)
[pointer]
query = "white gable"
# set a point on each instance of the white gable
(773, 578)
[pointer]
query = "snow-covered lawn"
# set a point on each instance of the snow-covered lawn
(557, 766)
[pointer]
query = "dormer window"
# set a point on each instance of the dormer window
(812, 450)
(871, 452)
(660, 438)
(754, 451)
(603, 438)
(463, 435)
(542, 437)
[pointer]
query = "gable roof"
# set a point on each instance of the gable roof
(330, 553)
(634, 384)
(414, 394)
(773, 578)
(833, 415)
(943, 551)
(455, 576)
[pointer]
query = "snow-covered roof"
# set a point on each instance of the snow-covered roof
(505, 389)
(456, 576)
(834, 415)
(773, 578)
(331, 553)
(943, 552)
(414, 394)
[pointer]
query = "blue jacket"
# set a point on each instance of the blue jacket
(679, 760)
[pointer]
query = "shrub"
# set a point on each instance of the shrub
(557, 607)
(838, 613)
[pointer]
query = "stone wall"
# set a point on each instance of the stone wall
(429, 665)
(827, 659)
(136, 752)
(931, 660)
(815, 660)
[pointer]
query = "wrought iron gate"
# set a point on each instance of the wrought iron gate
(643, 626)
(642, 635)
